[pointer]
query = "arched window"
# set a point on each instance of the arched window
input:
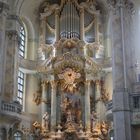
(20, 87)
(21, 75)
(22, 42)
(17, 136)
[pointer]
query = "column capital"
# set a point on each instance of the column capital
(54, 84)
(57, 12)
(12, 34)
(44, 83)
(81, 10)
(116, 5)
(4, 8)
(98, 82)
(87, 82)
(43, 19)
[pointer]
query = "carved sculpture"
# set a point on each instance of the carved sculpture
(104, 93)
(69, 116)
(81, 127)
(36, 128)
(94, 118)
(37, 97)
(66, 104)
(45, 119)
(59, 128)
(69, 76)
(101, 131)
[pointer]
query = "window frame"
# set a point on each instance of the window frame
(17, 135)
(20, 93)
(22, 42)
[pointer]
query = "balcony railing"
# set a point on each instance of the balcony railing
(14, 107)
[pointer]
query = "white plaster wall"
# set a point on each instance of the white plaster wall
(31, 88)
(30, 16)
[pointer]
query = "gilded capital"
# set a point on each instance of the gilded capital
(87, 82)
(53, 84)
(81, 10)
(98, 82)
(57, 12)
(44, 83)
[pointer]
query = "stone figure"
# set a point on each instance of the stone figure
(36, 128)
(104, 130)
(37, 97)
(45, 121)
(94, 118)
(69, 116)
(66, 104)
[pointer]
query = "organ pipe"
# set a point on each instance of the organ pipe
(70, 21)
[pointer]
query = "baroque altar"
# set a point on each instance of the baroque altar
(72, 94)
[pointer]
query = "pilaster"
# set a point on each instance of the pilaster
(3, 16)
(87, 106)
(11, 65)
(44, 98)
(98, 98)
(53, 105)
(43, 32)
(57, 25)
(82, 36)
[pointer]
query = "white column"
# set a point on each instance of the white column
(44, 98)
(97, 28)
(82, 35)
(43, 32)
(120, 37)
(98, 98)
(53, 105)
(87, 106)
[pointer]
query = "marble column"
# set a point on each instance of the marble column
(3, 16)
(53, 105)
(82, 36)
(57, 25)
(121, 109)
(97, 28)
(98, 98)
(87, 106)
(44, 98)
(11, 68)
(43, 32)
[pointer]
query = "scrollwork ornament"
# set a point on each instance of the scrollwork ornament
(4, 9)
(130, 7)
(115, 5)
(37, 97)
